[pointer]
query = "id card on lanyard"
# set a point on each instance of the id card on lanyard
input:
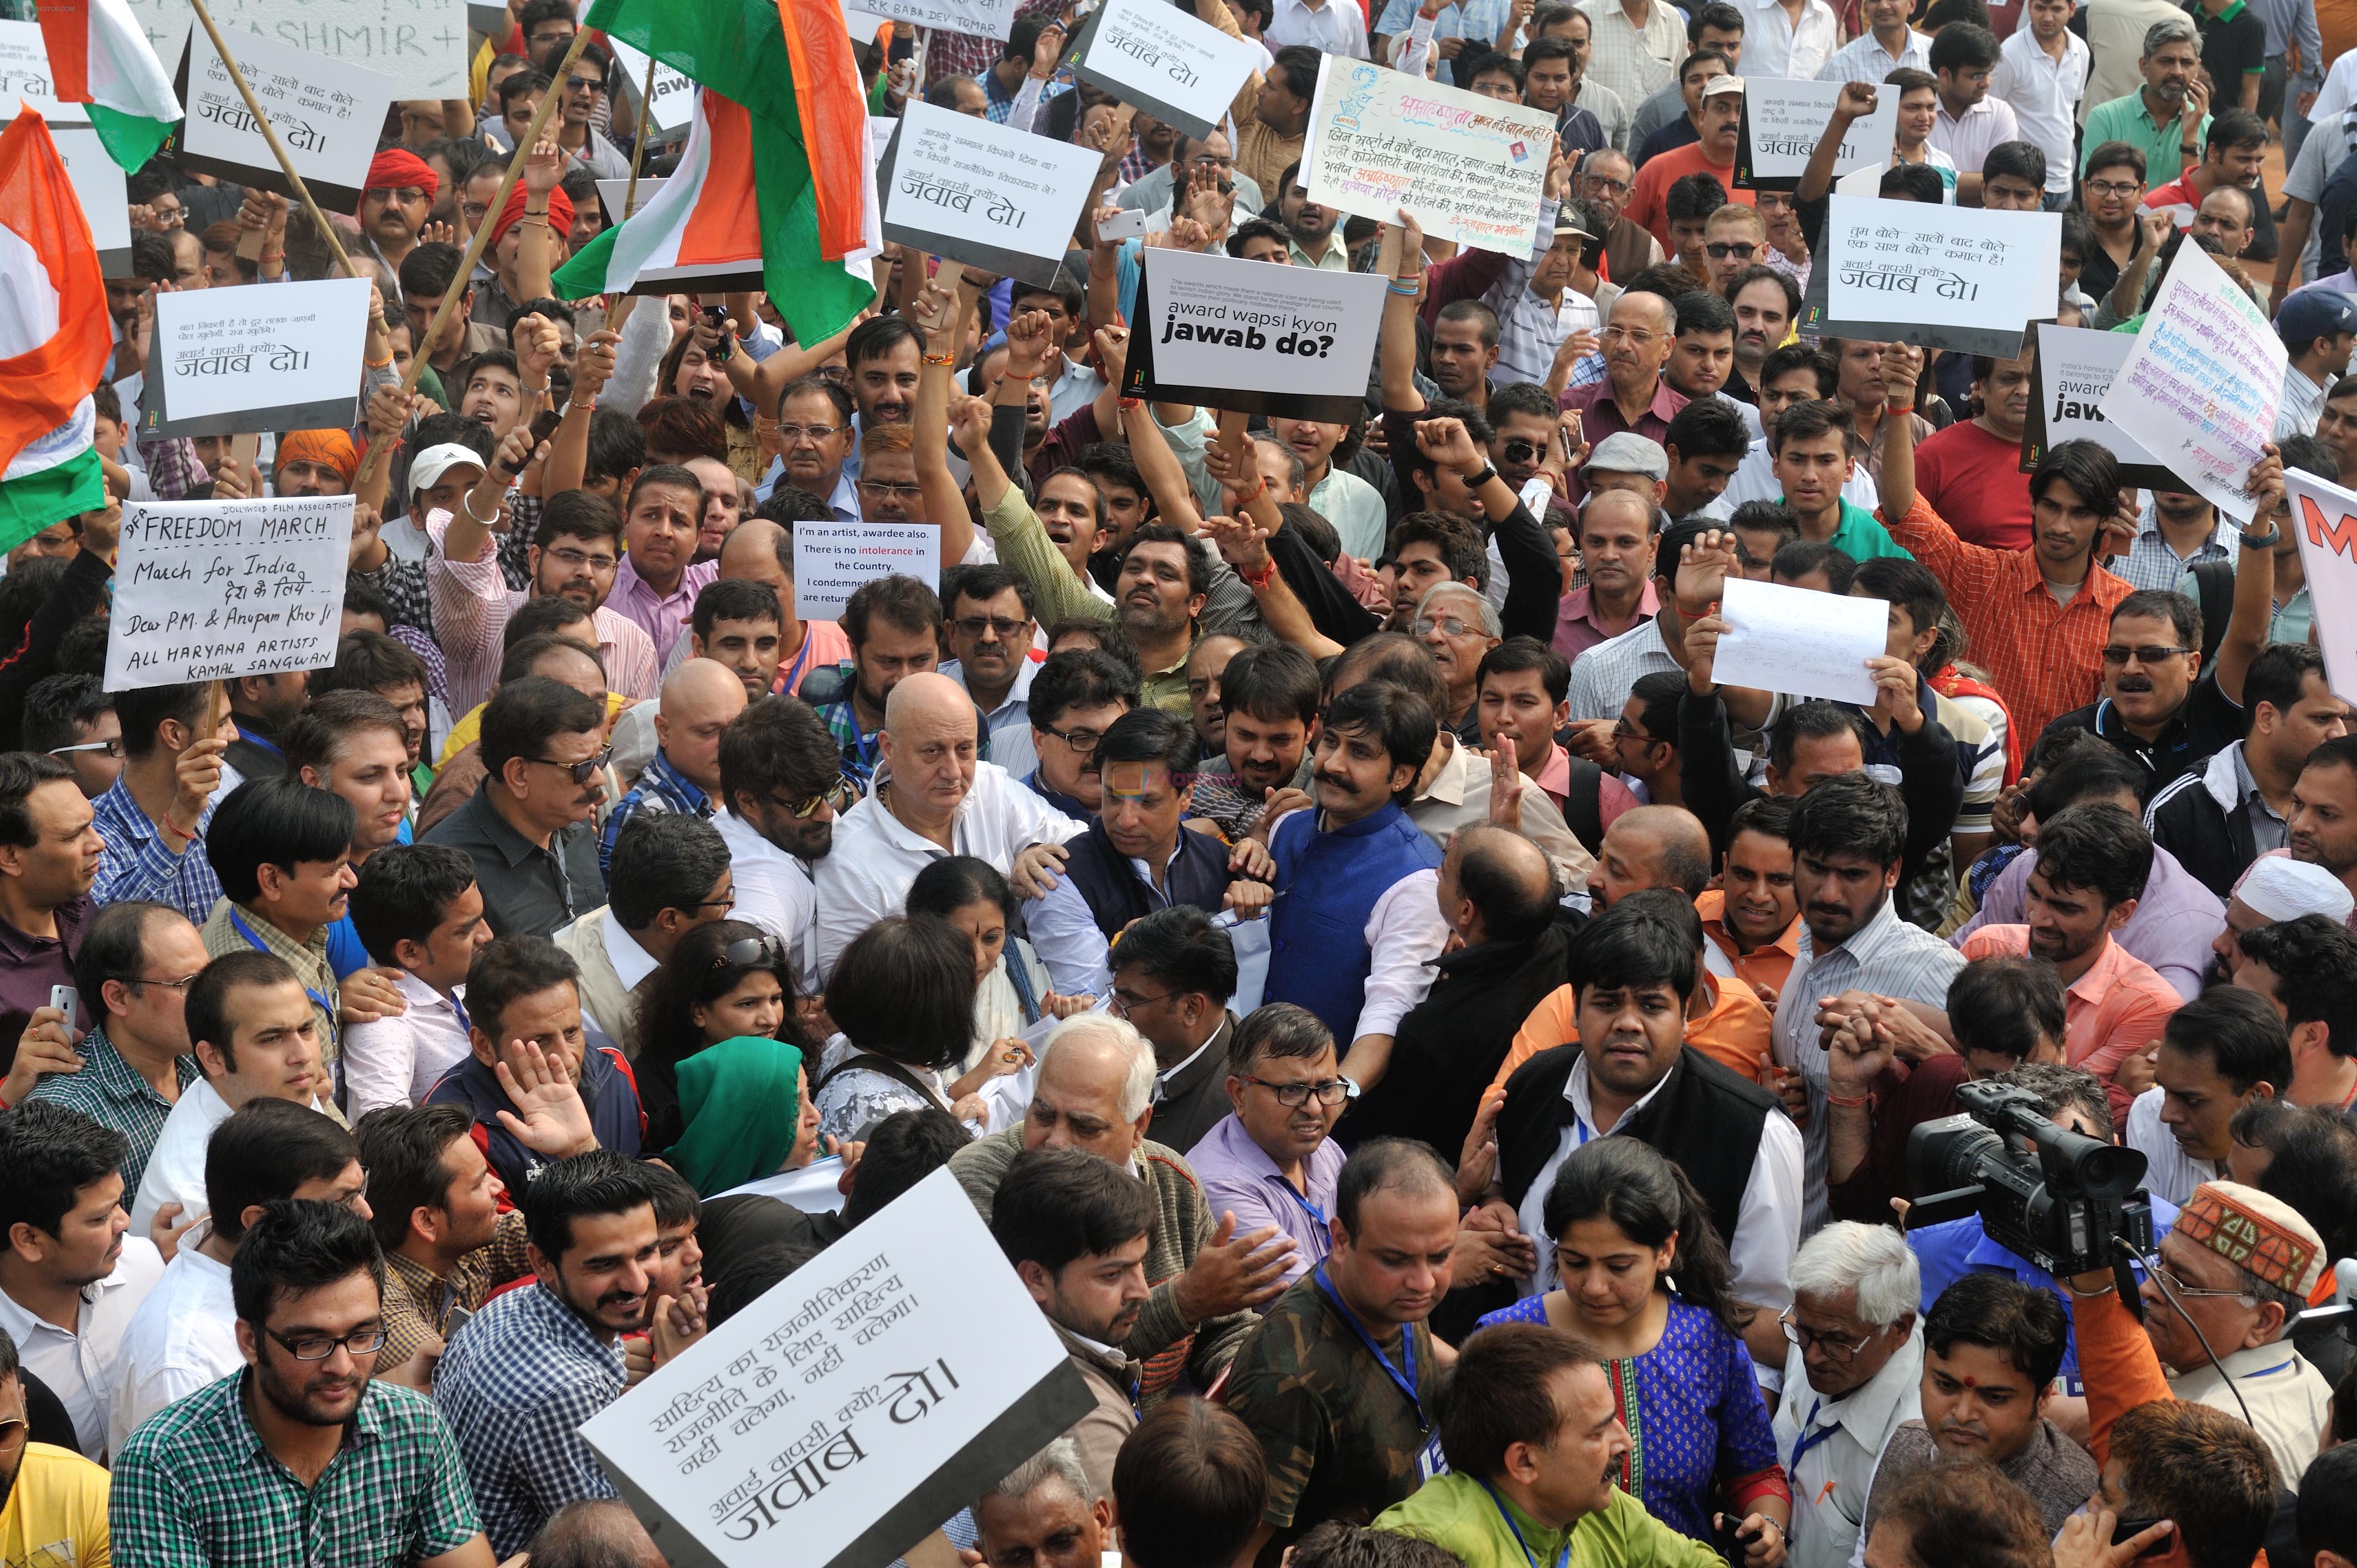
(1429, 1461)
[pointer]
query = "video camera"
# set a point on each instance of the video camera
(2064, 1203)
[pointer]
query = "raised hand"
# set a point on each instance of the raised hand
(544, 168)
(1232, 1273)
(1447, 443)
(554, 1120)
(1856, 103)
(45, 1047)
(1901, 371)
(593, 365)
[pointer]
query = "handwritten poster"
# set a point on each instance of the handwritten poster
(1798, 640)
(2071, 376)
(982, 19)
(998, 198)
(1468, 168)
(831, 560)
(420, 44)
(1173, 65)
(1784, 119)
(237, 361)
(839, 1418)
(211, 590)
(1225, 333)
(2200, 388)
(1960, 278)
(327, 113)
(2324, 522)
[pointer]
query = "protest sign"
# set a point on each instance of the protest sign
(1224, 333)
(1783, 121)
(420, 44)
(982, 19)
(1171, 64)
(2200, 388)
(2324, 523)
(1001, 198)
(1962, 278)
(613, 195)
(832, 559)
(226, 360)
(864, 25)
(2071, 376)
(25, 74)
(328, 113)
(99, 182)
(1798, 640)
(492, 22)
(835, 1422)
(1467, 168)
(213, 590)
(671, 103)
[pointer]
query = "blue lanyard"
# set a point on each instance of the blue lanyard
(1406, 1383)
(466, 1024)
(267, 745)
(258, 945)
(1311, 1210)
(1811, 1436)
(1559, 1563)
(810, 640)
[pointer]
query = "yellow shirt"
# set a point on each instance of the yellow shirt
(55, 1514)
(469, 730)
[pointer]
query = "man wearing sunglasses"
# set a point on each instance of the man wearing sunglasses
(528, 825)
(781, 789)
(47, 1493)
(73, 718)
(585, 88)
(2159, 707)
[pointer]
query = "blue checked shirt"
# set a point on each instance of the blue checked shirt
(660, 788)
(516, 1384)
(110, 1092)
(138, 861)
(858, 746)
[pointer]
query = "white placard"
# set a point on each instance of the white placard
(1798, 640)
(213, 590)
(104, 192)
(982, 19)
(1180, 68)
(283, 358)
(2200, 388)
(613, 192)
(25, 74)
(832, 559)
(1241, 335)
(2324, 522)
(1468, 168)
(841, 1417)
(2074, 373)
(1784, 119)
(1955, 277)
(420, 44)
(863, 26)
(327, 113)
(1865, 183)
(672, 104)
(998, 198)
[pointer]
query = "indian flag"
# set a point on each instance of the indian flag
(99, 56)
(54, 339)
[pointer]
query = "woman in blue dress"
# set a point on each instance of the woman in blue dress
(1624, 1220)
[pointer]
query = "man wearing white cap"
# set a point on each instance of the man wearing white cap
(2277, 887)
(439, 476)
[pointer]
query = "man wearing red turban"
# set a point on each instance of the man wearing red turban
(534, 206)
(400, 187)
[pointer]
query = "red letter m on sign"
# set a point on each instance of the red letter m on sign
(2341, 537)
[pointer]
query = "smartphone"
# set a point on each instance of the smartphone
(1725, 1535)
(1129, 223)
(68, 1001)
(545, 426)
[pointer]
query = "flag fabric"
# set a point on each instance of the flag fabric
(98, 57)
(789, 64)
(701, 230)
(54, 337)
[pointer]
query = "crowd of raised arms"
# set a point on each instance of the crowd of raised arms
(1444, 1065)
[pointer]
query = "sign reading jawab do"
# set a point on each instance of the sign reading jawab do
(1224, 333)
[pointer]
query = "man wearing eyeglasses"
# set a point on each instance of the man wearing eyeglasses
(782, 783)
(51, 1499)
(990, 626)
(527, 826)
(585, 88)
(72, 718)
(400, 187)
(1272, 1162)
(2159, 707)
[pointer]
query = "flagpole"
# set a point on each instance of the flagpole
(476, 243)
(639, 148)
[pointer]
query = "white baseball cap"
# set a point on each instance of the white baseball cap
(427, 467)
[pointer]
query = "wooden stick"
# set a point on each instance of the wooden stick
(477, 243)
(639, 148)
(270, 135)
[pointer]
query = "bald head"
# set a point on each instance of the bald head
(703, 686)
(1653, 846)
(760, 551)
(600, 1534)
(699, 699)
(1496, 885)
(573, 665)
(1096, 1091)
(926, 703)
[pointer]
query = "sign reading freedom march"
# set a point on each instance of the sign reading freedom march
(328, 113)
(2071, 377)
(1001, 198)
(229, 360)
(1783, 121)
(832, 560)
(213, 590)
(420, 44)
(1175, 67)
(1467, 168)
(838, 1420)
(1224, 333)
(1960, 278)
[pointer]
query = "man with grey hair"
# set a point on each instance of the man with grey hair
(1045, 1512)
(2167, 116)
(1853, 1375)
(1094, 1092)
(601, 1534)
(1457, 624)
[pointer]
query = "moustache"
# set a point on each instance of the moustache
(2133, 684)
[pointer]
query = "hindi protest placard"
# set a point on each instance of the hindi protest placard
(1798, 640)
(25, 74)
(613, 194)
(2200, 388)
(420, 44)
(1168, 62)
(2324, 524)
(2069, 378)
(841, 1418)
(213, 590)
(1468, 168)
(1784, 119)
(1001, 198)
(671, 103)
(235, 360)
(832, 559)
(1224, 333)
(328, 113)
(982, 19)
(1961, 278)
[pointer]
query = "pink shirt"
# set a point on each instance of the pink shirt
(662, 616)
(1577, 628)
(2120, 1006)
(471, 605)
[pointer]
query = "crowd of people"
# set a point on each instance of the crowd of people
(1444, 1064)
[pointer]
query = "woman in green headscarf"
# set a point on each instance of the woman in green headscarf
(714, 1013)
(747, 1107)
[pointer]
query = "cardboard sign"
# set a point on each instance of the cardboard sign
(1468, 168)
(1003, 199)
(982, 18)
(1783, 121)
(25, 75)
(213, 590)
(1800, 640)
(99, 182)
(2324, 523)
(1224, 333)
(228, 360)
(611, 194)
(327, 113)
(1168, 62)
(838, 1420)
(1960, 278)
(420, 44)
(2071, 376)
(2200, 388)
(671, 103)
(831, 560)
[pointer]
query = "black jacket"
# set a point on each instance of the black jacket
(2198, 819)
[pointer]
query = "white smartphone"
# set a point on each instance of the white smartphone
(68, 1001)
(1129, 223)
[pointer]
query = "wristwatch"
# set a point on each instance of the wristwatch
(1475, 481)
(2266, 541)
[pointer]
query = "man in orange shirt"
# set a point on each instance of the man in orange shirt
(1714, 154)
(1751, 917)
(2092, 860)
